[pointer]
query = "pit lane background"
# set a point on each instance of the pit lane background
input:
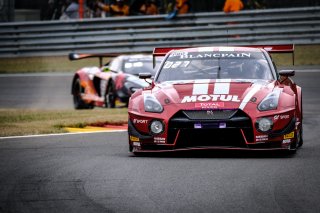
(135, 34)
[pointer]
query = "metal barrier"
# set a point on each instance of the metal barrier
(143, 33)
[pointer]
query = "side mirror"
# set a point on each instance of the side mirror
(73, 56)
(287, 73)
(145, 75)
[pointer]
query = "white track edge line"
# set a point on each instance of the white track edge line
(60, 134)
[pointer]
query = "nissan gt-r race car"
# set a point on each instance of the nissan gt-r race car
(217, 98)
(116, 80)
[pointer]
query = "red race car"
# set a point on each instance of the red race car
(116, 80)
(217, 98)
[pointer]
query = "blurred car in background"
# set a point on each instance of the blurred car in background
(111, 83)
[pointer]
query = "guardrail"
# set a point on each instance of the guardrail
(143, 33)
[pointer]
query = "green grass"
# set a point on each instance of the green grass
(14, 122)
(304, 55)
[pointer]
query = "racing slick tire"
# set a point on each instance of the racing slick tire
(77, 100)
(300, 138)
(294, 146)
(110, 96)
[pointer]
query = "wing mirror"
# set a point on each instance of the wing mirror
(145, 75)
(287, 73)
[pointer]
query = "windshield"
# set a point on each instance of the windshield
(138, 65)
(214, 65)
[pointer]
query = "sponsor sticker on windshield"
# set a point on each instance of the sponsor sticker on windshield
(176, 64)
(224, 53)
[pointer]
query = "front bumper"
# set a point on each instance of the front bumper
(233, 133)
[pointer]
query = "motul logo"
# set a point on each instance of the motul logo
(196, 98)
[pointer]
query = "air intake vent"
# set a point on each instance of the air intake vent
(209, 114)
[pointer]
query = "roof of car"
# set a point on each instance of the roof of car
(219, 49)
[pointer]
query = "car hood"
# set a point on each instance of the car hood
(211, 94)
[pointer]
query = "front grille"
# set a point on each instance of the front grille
(219, 128)
(209, 114)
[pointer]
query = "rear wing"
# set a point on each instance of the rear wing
(78, 56)
(277, 48)
(162, 51)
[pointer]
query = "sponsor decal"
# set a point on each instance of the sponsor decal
(197, 126)
(262, 137)
(178, 53)
(214, 55)
(284, 116)
(176, 64)
(206, 98)
(138, 121)
(134, 139)
(281, 117)
(253, 99)
(222, 125)
(289, 135)
(286, 141)
(136, 144)
(159, 140)
(209, 105)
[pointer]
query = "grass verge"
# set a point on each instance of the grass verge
(17, 122)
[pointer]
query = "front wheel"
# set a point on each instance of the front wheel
(110, 97)
(78, 103)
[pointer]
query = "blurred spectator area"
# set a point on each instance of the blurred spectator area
(26, 10)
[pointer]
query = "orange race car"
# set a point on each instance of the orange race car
(115, 81)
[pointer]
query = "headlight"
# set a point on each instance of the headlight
(270, 102)
(264, 124)
(156, 127)
(151, 104)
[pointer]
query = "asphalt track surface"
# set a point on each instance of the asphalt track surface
(36, 91)
(95, 173)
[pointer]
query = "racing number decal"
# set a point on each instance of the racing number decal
(176, 64)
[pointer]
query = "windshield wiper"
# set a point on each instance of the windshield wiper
(219, 69)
